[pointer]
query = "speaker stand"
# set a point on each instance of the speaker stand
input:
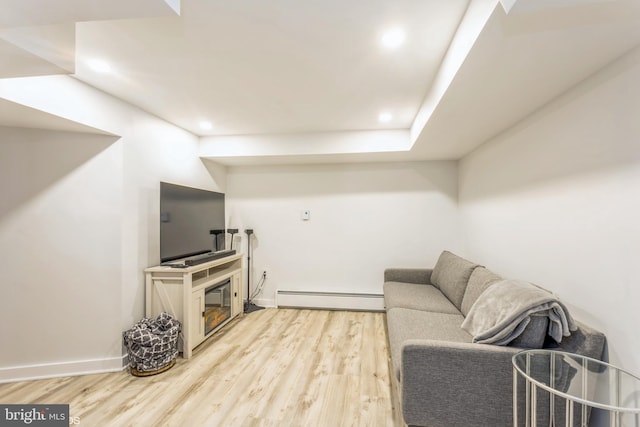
(249, 307)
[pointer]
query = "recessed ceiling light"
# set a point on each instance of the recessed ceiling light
(393, 38)
(385, 117)
(206, 125)
(99, 66)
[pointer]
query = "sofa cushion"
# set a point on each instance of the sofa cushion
(405, 324)
(451, 274)
(417, 297)
(480, 279)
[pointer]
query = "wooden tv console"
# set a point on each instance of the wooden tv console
(180, 292)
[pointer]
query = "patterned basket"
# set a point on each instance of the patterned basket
(152, 344)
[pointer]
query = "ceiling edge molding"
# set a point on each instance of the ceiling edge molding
(175, 5)
(16, 115)
(478, 14)
(227, 148)
(83, 104)
(53, 44)
(507, 5)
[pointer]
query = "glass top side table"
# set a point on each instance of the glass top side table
(561, 388)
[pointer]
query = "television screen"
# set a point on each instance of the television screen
(192, 221)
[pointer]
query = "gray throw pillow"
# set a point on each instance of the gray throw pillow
(451, 274)
(534, 333)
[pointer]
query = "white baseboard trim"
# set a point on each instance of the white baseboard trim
(264, 302)
(63, 369)
(330, 300)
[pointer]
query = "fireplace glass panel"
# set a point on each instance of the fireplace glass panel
(217, 305)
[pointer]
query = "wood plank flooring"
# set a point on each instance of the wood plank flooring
(273, 367)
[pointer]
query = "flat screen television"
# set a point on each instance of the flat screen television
(192, 221)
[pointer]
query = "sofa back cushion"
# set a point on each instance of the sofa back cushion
(480, 279)
(451, 274)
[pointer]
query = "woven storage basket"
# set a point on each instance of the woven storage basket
(152, 345)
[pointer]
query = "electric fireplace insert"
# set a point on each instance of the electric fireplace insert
(217, 305)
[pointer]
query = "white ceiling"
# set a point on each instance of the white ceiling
(261, 67)
(520, 62)
(291, 74)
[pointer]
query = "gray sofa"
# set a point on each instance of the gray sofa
(443, 378)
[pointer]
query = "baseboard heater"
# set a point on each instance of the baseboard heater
(330, 300)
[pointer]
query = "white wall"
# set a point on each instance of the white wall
(364, 218)
(556, 200)
(60, 222)
(156, 151)
(80, 223)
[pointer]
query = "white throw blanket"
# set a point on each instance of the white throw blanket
(502, 312)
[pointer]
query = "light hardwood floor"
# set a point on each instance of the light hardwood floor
(273, 367)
